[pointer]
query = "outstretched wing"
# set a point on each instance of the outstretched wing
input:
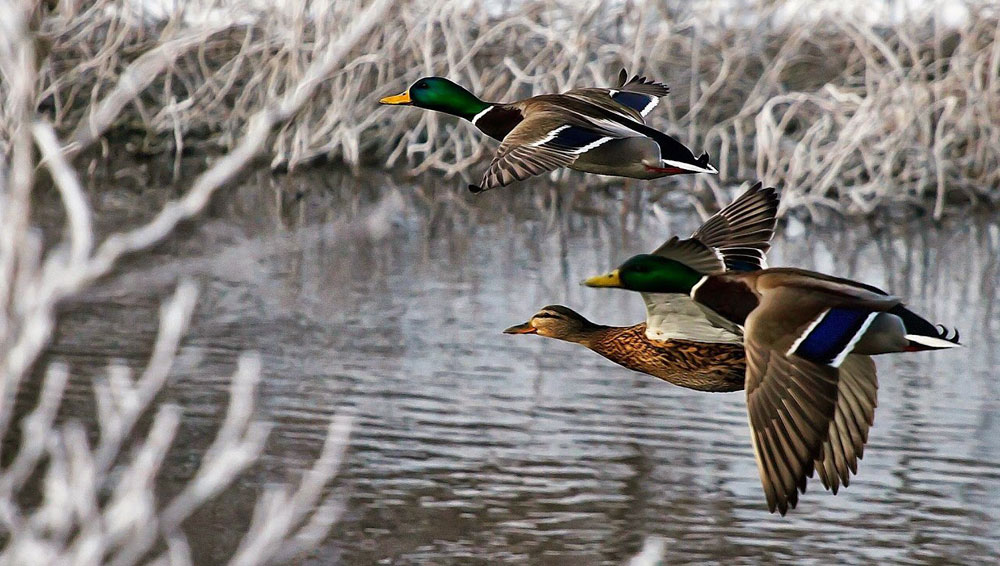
(735, 238)
(694, 254)
(537, 145)
(546, 140)
(809, 407)
(791, 403)
(742, 231)
(857, 397)
(638, 94)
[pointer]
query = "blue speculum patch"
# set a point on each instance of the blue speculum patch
(833, 333)
(632, 100)
(575, 136)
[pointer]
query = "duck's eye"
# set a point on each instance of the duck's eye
(421, 85)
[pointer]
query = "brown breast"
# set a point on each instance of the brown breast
(696, 365)
(730, 298)
(499, 121)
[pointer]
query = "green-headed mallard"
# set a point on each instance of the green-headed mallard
(677, 343)
(595, 130)
(810, 381)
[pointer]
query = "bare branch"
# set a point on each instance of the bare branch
(139, 75)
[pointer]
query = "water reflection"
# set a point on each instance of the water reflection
(472, 447)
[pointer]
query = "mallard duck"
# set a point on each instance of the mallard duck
(677, 343)
(704, 366)
(595, 130)
(811, 386)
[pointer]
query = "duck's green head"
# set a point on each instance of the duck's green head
(437, 93)
(649, 274)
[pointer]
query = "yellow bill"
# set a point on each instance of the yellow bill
(401, 98)
(610, 279)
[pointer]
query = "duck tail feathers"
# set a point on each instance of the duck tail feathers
(922, 335)
(703, 161)
(942, 338)
(699, 165)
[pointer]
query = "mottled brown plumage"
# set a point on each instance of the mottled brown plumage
(704, 366)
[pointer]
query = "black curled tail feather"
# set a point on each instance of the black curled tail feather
(946, 334)
(917, 327)
(914, 323)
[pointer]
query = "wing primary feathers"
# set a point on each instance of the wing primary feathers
(692, 253)
(741, 232)
(641, 85)
(746, 223)
(854, 415)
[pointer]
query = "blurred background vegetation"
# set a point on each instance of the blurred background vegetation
(846, 104)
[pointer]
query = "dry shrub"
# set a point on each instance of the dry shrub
(64, 498)
(838, 106)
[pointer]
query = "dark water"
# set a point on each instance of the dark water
(472, 447)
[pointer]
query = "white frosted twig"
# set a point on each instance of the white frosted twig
(99, 503)
(74, 201)
(237, 445)
(33, 427)
(278, 515)
(16, 168)
(139, 74)
(228, 166)
(653, 549)
(127, 516)
(120, 403)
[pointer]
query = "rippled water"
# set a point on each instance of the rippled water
(473, 447)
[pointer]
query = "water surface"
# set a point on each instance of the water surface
(474, 447)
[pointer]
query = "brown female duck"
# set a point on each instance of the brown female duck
(704, 366)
